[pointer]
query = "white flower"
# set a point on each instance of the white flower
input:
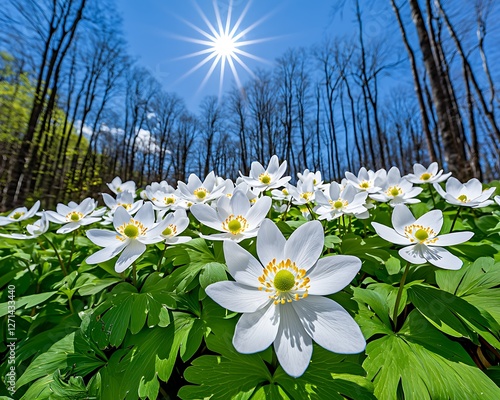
(269, 178)
(117, 186)
(20, 214)
(427, 175)
(123, 199)
(303, 193)
(421, 237)
(234, 216)
(317, 180)
(35, 229)
(470, 194)
(280, 296)
(367, 181)
(196, 191)
(151, 189)
(338, 201)
(176, 222)
(497, 199)
(282, 194)
(167, 199)
(74, 215)
(397, 190)
(129, 237)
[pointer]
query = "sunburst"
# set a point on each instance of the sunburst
(223, 45)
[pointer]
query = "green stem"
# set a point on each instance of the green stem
(283, 216)
(63, 268)
(72, 249)
(310, 211)
(455, 219)
(134, 275)
(432, 194)
(400, 293)
(161, 257)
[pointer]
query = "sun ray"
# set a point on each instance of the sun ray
(223, 42)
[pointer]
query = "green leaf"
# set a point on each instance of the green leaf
(73, 350)
(453, 315)
(27, 302)
(211, 273)
(425, 365)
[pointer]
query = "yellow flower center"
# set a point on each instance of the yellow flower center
(306, 195)
(315, 182)
(201, 193)
(285, 192)
(284, 281)
(394, 191)
(364, 185)
(235, 224)
(265, 178)
(463, 198)
(131, 230)
(338, 204)
(74, 216)
(169, 200)
(17, 215)
(119, 190)
(420, 233)
(126, 206)
(425, 176)
(170, 230)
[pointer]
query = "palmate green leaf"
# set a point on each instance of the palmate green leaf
(425, 364)
(74, 350)
(454, 315)
(146, 357)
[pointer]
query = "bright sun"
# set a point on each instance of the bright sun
(223, 44)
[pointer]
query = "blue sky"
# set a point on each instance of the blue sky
(152, 28)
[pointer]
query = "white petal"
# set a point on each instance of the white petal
(206, 215)
(105, 254)
(402, 217)
(451, 239)
(178, 239)
(293, 345)
(390, 234)
(412, 254)
(120, 217)
(273, 165)
(103, 238)
(131, 253)
(242, 266)
(433, 219)
(237, 297)
(442, 258)
(258, 212)
(146, 215)
(256, 331)
(239, 203)
(453, 187)
(305, 245)
(72, 226)
(270, 242)
(330, 325)
(331, 274)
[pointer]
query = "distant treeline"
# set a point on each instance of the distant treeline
(76, 110)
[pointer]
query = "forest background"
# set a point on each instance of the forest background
(76, 109)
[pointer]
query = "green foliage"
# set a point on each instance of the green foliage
(87, 332)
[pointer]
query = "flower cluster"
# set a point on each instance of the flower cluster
(278, 284)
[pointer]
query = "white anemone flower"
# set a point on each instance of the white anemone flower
(282, 194)
(20, 214)
(469, 194)
(367, 180)
(130, 237)
(281, 296)
(167, 199)
(234, 216)
(153, 187)
(123, 199)
(198, 192)
(303, 193)
(497, 199)
(117, 186)
(397, 190)
(317, 180)
(74, 215)
(427, 175)
(269, 178)
(176, 222)
(35, 229)
(338, 201)
(424, 244)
